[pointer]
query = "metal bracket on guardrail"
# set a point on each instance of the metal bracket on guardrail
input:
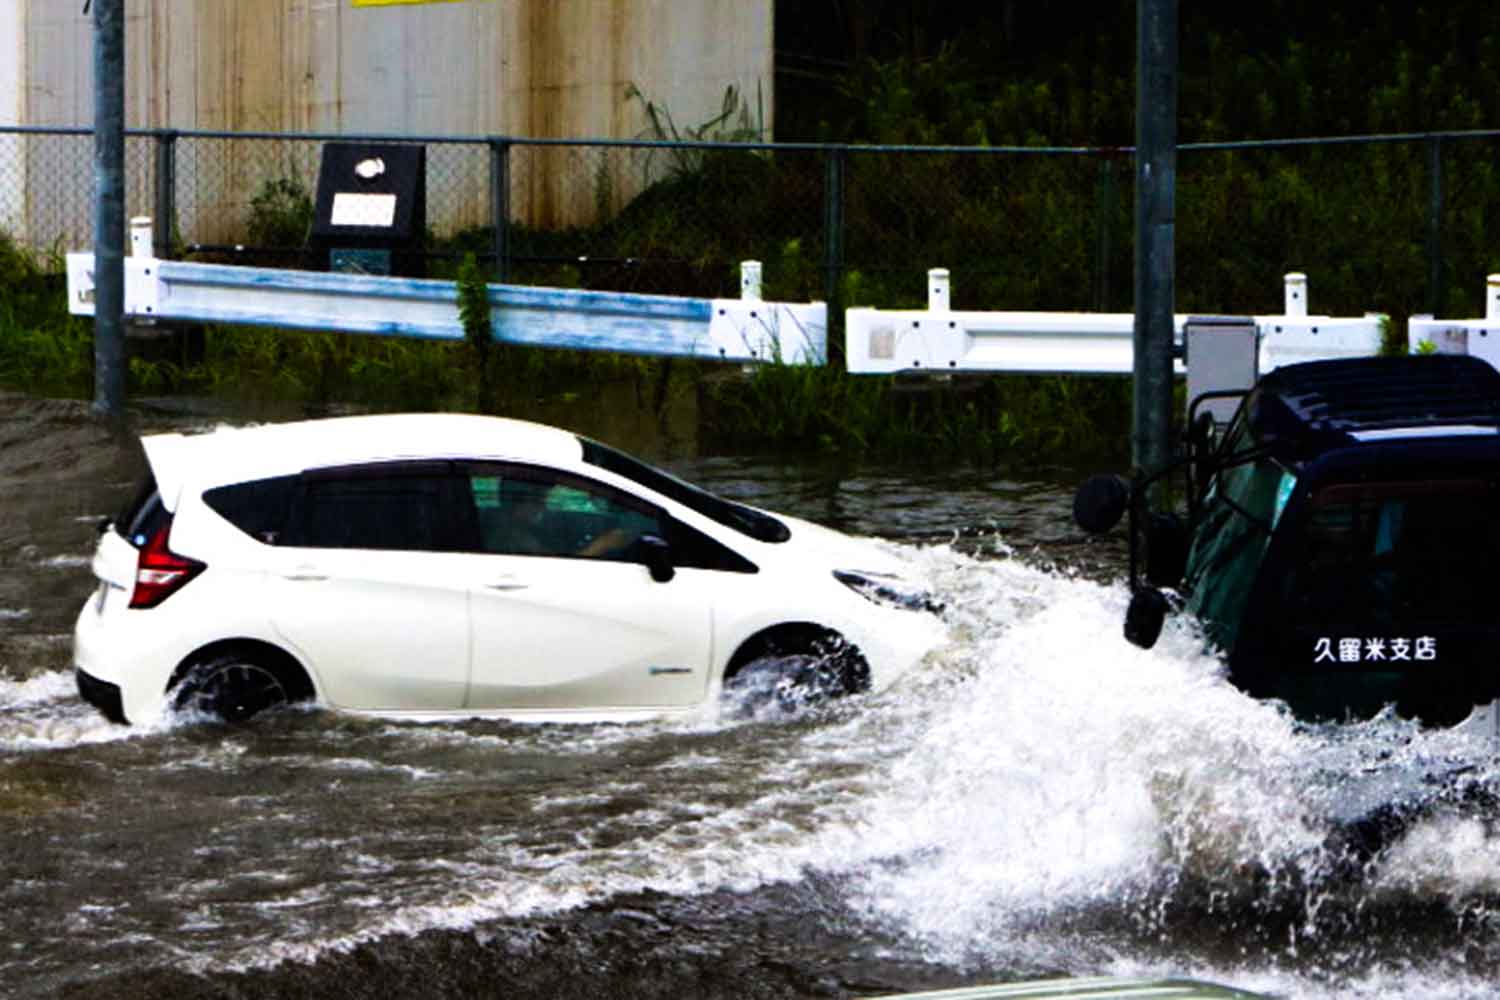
(1478, 337)
(883, 341)
(746, 329)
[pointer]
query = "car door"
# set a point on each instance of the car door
(565, 615)
(368, 586)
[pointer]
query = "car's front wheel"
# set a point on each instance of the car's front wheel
(232, 687)
(792, 669)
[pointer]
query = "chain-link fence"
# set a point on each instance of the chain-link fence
(1399, 224)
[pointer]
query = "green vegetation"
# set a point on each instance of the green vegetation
(1017, 231)
(42, 348)
(281, 213)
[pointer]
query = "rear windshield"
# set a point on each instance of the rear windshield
(143, 515)
(1420, 553)
(746, 520)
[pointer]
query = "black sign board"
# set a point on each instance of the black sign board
(371, 212)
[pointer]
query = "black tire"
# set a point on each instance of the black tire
(794, 673)
(232, 687)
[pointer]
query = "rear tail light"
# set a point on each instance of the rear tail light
(160, 572)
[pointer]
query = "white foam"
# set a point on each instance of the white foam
(1037, 766)
(44, 712)
(64, 562)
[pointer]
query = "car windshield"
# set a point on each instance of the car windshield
(746, 520)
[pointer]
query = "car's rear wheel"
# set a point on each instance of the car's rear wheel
(233, 687)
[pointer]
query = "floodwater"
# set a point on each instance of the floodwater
(1039, 798)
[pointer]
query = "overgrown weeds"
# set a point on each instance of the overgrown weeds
(940, 418)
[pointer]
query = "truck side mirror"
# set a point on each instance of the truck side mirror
(1166, 549)
(1145, 617)
(1100, 503)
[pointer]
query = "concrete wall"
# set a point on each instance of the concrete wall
(12, 148)
(528, 68)
(12, 68)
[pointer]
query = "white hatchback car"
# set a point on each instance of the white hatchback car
(447, 564)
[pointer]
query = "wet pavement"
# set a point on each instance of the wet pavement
(1040, 798)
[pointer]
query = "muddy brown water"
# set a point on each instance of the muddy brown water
(1039, 799)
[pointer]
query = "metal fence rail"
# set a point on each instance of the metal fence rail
(1391, 222)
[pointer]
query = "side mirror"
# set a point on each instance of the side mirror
(1166, 549)
(657, 555)
(1100, 503)
(1145, 617)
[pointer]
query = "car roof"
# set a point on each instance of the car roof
(262, 451)
(1306, 409)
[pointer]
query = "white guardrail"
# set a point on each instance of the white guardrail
(1479, 337)
(746, 329)
(883, 341)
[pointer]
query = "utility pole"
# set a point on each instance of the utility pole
(109, 207)
(1155, 236)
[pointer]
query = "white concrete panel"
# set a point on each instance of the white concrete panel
(12, 61)
(13, 178)
(527, 68)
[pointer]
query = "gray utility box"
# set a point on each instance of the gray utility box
(371, 212)
(1221, 354)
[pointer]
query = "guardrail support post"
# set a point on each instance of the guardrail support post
(937, 290)
(1296, 294)
(750, 280)
(1155, 231)
(500, 206)
(109, 208)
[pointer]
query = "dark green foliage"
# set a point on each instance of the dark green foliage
(42, 347)
(479, 334)
(1018, 231)
(940, 419)
(281, 214)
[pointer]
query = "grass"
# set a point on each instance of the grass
(776, 407)
(42, 348)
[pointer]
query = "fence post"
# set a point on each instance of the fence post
(165, 216)
(1435, 289)
(833, 250)
(500, 206)
(1103, 231)
(109, 205)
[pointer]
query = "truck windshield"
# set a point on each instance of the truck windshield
(1239, 514)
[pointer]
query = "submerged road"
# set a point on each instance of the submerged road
(1040, 798)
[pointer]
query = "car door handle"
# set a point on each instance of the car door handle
(304, 573)
(506, 583)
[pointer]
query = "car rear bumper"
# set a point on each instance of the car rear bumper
(102, 695)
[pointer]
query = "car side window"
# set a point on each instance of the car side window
(524, 510)
(378, 507)
(257, 508)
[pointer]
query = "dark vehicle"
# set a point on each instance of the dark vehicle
(1341, 545)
